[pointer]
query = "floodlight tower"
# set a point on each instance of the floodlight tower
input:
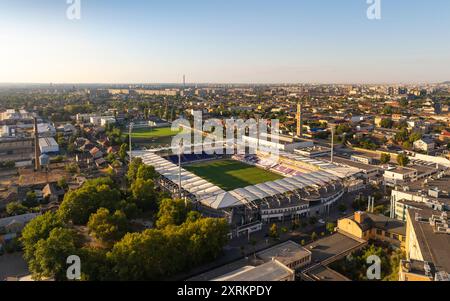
(332, 143)
(130, 131)
(180, 148)
(37, 152)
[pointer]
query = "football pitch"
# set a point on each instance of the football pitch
(146, 133)
(231, 174)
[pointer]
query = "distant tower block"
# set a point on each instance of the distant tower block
(184, 81)
(299, 120)
(37, 152)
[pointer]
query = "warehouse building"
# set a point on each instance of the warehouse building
(48, 146)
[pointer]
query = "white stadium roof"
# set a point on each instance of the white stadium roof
(215, 197)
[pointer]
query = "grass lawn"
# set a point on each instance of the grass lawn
(146, 133)
(231, 174)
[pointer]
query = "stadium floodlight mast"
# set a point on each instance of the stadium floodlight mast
(180, 149)
(130, 130)
(332, 143)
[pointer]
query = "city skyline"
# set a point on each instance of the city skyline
(211, 42)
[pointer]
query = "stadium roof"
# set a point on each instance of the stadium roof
(190, 182)
(215, 197)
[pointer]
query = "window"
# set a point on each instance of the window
(379, 232)
(395, 236)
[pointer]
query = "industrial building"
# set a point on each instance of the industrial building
(48, 146)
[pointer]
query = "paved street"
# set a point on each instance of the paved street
(12, 265)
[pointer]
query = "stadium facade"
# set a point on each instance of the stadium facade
(310, 187)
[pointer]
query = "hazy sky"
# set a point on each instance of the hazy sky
(238, 41)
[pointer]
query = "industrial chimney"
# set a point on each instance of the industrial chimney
(299, 120)
(37, 153)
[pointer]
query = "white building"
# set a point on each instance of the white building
(424, 145)
(399, 176)
(48, 145)
(46, 130)
(107, 120)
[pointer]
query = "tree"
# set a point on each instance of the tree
(16, 208)
(108, 227)
(72, 168)
(144, 194)
(415, 136)
(111, 157)
(133, 169)
(31, 199)
(51, 254)
(402, 160)
(193, 216)
(146, 172)
(387, 123)
(171, 212)
(79, 204)
(123, 152)
(38, 229)
(62, 183)
(273, 231)
(156, 254)
(314, 236)
(385, 158)
(330, 227)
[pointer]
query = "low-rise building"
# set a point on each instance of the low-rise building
(10, 227)
(367, 226)
(427, 246)
(269, 271)
(48, 146)
(46, 130)
(399, 176)
(278, 263)
(432, 193)
(424, 144)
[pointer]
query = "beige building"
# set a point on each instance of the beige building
(427, 246)
(367, 226)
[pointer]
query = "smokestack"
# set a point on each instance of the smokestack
(37, 152)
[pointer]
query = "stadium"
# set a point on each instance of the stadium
(249, 190)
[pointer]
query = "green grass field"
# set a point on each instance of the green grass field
(230, 174)
(147, 133)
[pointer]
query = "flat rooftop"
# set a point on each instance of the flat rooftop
(330, 246)
(285, 253)
(351, 163)
(269, 271)
(421, 188)
(323, 273)
(434, 247)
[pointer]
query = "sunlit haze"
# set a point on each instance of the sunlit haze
(231, 41)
